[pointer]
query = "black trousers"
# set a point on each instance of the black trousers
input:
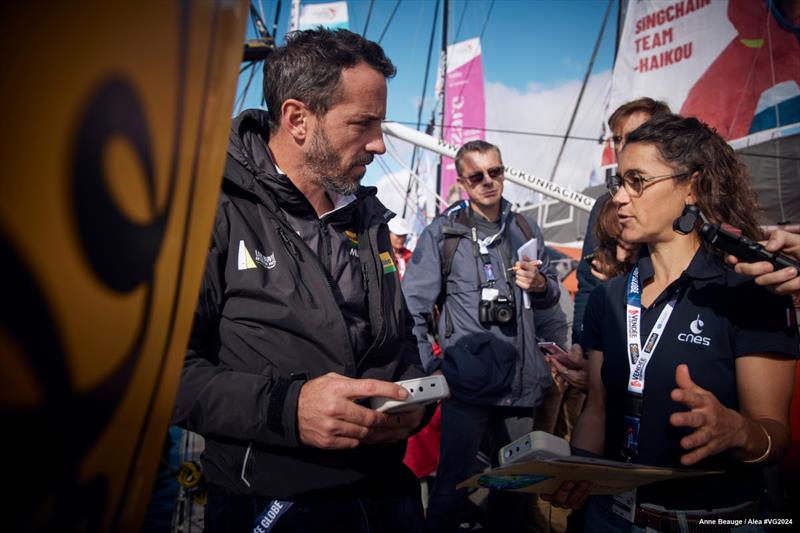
(390, 507)
(464, 427)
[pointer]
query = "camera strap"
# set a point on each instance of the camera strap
(481, 251)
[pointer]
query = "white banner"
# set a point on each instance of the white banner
(735, 65)
(332, 16)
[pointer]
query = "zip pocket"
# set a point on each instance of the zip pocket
(294, 252)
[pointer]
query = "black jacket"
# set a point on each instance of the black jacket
(273, 313)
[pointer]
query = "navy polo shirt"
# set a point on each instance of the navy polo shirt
(720, 316)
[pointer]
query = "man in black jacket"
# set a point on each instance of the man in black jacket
(300, 317)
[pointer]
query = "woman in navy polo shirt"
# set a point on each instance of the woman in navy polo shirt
(690, 363)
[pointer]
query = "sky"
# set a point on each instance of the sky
(535, 54)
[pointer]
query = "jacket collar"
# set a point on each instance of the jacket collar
(248, 146)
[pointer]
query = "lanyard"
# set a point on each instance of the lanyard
(638, 356)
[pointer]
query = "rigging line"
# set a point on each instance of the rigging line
(425, 83)
(395, 155)
(397, 184)
(461, 21)
(276, 20)
(777, 113)
(583, 88)
(258, 23)
(246, 90)
(514, 132)
(261, 9)
(248, 66)
(369, 16)
(389, 22)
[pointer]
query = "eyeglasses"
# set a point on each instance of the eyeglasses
(635, 183)
(494, 173)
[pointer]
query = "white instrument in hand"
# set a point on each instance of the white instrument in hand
(421, 391)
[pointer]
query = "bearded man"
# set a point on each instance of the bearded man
(300, 317)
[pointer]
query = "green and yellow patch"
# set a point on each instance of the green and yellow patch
(387, 262)
(352, 236)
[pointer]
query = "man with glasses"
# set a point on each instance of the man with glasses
(466, 261)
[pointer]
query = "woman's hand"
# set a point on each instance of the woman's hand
(717, 428)
(571, 494)
(578, 378)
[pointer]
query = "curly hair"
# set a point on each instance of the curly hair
(309, 68)
(608, 231)
(720, 181)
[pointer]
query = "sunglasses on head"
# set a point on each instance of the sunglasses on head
(477, 177)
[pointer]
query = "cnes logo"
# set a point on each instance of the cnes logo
(695, 337)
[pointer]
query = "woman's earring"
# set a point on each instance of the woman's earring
(684, 224)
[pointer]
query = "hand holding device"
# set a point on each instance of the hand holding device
(559, 354)
(730, 240)
(783, 281)
(328, 416)
(421, 391)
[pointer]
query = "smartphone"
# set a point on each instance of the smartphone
(559, 354)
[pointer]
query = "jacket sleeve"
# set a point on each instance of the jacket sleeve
(552, 325)
(549, 297)
(586, 280)
(215, 400)
(421, 285)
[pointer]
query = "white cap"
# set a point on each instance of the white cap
(399, 226)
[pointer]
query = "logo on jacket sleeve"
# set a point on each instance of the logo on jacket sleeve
(246, 261)
(388, 264)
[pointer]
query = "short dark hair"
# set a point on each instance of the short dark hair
(647, 105)
(721, 187)
(309, 68)
(474, 146)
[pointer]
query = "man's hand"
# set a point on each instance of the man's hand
(717, 428)
(528, 277)
(398, 427)
(327, 416)
(785, 280)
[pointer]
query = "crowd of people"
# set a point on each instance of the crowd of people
(311, 305)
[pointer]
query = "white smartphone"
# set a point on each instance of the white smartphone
(421, 391)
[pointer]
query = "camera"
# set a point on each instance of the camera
(499, 310)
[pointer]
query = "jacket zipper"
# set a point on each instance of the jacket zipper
(295, 253)
(327, 251)
(325, 272)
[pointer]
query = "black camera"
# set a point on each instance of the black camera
(500, 310)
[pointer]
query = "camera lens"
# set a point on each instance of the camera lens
(504, 314)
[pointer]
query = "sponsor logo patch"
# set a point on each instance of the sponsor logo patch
(388, 264)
